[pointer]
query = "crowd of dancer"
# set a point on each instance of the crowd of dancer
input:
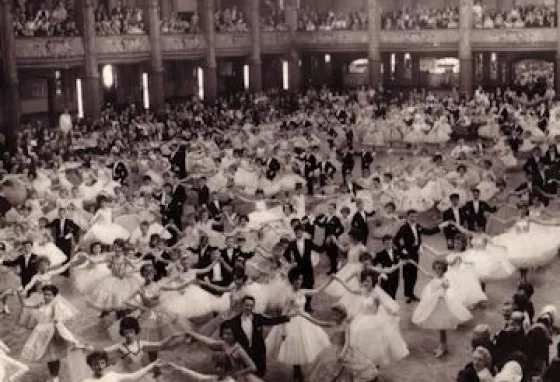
(182, 229)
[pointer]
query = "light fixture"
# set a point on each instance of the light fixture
(108, 76)
(200, 80)
(285, 75)
(146, 90)
(79, 98)
(246, 76)
(327, 58)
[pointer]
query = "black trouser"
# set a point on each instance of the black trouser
(331, 250)
(410, 274)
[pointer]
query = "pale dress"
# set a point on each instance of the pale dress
(299, 341)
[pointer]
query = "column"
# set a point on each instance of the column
(374, 56)
(157, 95)
(90, 84)
(399, 69)
(255, 63)
(487, 81)
(415, 70)
(557, 66)
(10, 91)
(386, 70)
(465, 50)
(294, 70)
(51, 98)
(211, 65)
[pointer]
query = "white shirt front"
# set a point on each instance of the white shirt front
(456, 214)
(391, 254)
(476, 206)
(301, 246)
(247, 326)
(414, 228)
(217, 272)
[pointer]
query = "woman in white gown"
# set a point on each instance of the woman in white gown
(103, 229)
(299, 341)
(461, 274)
(531, 242)
(374, 331)
(439, 308)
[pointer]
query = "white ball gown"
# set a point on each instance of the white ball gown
(104, 230)
(87, 275)
(530, 244)
(465, 281)
(375, 333)
(439, 307)
(299, 341)
(191, 302)
(489, 261)
(10, 369)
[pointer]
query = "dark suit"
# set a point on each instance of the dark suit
(383, 260)
(256, 348)
(230, 256)
(404, 240)
(531, 166)
(215, 208)
(60, 231)
(309, 171)
(175, 209)
(477, 218)
(178, 162)
(120, 172)
(327, 170)
(303, 262)
(273, 166)
(367, 160)
(353, 188)
(26, 269)
(360, 225)
(449, 216)
(533, 190)
(203, 193)
(333, 229)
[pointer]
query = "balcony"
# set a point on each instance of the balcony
(43, 52)
(275, 42)
(332, 41)
(528, 39)
(122, 48)
(183, 46)
(420, 40)
(233, 44)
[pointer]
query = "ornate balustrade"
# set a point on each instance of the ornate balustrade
(122, 48)
(233, 44)
(177, 46)
(69, 51)
(49, 51)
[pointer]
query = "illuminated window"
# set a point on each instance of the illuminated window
(281, 4)
(79, 98)
(108, 75)
(246, 76)
(200, 80)
(285, 75)
(146, 90)
(393, 62)
(58, 82)
(327, 58)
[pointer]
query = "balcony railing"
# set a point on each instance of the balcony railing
(49, 51)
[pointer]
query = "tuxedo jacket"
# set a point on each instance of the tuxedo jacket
(178, 159)
(272, 168)
(367, 159)
(178, 197)
(383, 260)
(59, 233)
(404, 239)
(333, 226)
(204, 258)
(120, 172)
(27, 269)
(353, 187)
(256, 348)
(303, 260)
(360, 225)
(531, 165)
(449, 216)
(476, 218)
(215, 207)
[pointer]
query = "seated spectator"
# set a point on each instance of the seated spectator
(41, 21)
(311, 20)
(272, 17)
(120, 20)
(181, 23)
(230, 21)
(446, 18)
